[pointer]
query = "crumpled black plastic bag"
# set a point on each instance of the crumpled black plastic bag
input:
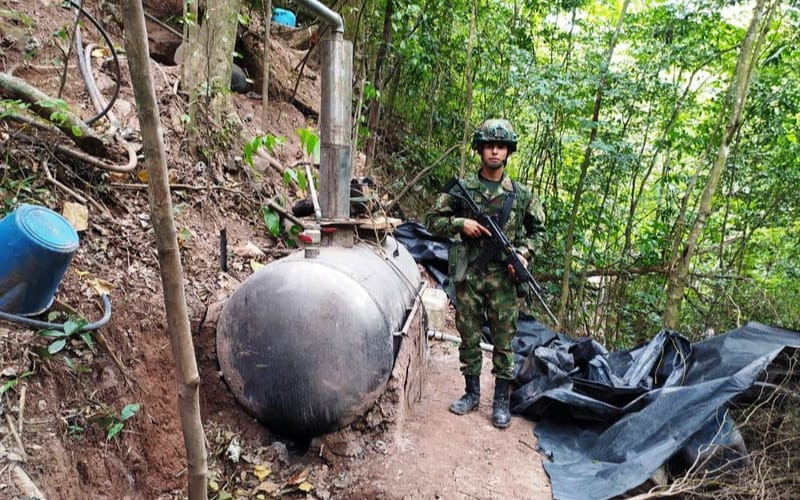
(608, 421)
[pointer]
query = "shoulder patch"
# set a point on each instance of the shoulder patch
(507, 184)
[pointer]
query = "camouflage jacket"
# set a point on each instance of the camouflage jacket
(524, 228)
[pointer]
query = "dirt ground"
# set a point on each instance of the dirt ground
(57, 411)
(442, 455)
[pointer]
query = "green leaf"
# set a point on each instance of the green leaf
(42, 352)
(302, 182)
(129, 410)
(72, 326)
(8, 385)
(54, 334)
(61, 34)
(87, 337)
(309, 141)
(272, 221)
(315, 153)
(56, 346)
(247, 154)
(269, 141)
(114, 430)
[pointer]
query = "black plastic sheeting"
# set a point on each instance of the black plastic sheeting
(609, 420)
(428, 250)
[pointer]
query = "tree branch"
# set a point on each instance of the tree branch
(71, 124)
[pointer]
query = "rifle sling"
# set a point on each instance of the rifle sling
(491, 250)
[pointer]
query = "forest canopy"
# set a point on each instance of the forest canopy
(654, 132)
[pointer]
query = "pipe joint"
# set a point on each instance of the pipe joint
(329, 16)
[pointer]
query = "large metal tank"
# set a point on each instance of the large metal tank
(307, 344)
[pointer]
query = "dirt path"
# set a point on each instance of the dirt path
(442, 455)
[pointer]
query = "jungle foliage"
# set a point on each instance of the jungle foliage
(659, 75)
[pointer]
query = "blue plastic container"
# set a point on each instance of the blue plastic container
(283, 16)
(36, 247)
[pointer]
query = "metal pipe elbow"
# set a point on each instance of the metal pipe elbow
(329, 16)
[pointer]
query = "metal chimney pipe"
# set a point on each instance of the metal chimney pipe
(322, 10)
(335, 125)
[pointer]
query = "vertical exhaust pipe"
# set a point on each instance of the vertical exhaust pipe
(335, 124)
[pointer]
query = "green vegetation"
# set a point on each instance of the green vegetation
(266, 141)
(71, 329)
(114, 425)
(659, 85)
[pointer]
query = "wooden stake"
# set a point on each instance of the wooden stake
(13, 429)
(20, 415)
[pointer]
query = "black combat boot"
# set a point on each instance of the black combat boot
(501, 415)
(472, 396)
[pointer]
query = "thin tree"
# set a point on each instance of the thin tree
(468, 77)
(678, 276)
(169, 259)
(375, 104)
(587, 159)
(267, 4)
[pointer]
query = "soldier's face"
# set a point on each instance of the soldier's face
(494, 154)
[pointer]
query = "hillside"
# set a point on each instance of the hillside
(63, 407)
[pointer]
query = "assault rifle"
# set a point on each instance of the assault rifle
(499, 243)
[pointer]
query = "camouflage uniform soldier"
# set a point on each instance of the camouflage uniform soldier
(488, 294)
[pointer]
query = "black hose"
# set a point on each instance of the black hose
(59, 326)
(117, 71)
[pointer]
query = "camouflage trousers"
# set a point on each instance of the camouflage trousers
(487, 297)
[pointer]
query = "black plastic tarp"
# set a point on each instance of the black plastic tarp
(428, 250)
(609, 420)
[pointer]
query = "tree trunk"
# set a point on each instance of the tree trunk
(728, 197)
(473, 27)
(265, 64)
(677, 278)
(375, 103)
(207, 59)
(587, 158)
(180, 337)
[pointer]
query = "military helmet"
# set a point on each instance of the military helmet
(495, 130)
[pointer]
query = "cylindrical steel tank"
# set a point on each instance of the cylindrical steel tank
(306, 344)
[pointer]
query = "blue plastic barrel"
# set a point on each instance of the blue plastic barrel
(283, 16)
(36, 247)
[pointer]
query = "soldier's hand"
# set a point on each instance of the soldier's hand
(511, 270)
(474, 229)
